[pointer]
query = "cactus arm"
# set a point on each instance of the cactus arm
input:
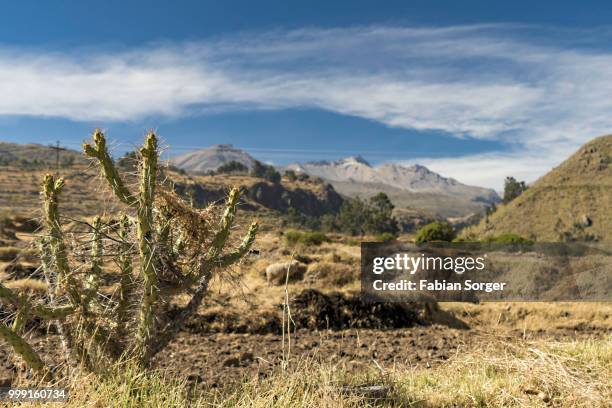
(21, 347)
(241, 251)
(44, 312)
(126, 282)
(226, 224)
(46, 261)
(92, 280)
(100, 152)
(146, 248)
(51, 191)
(8, 295)
(211, 260)
(23, 313)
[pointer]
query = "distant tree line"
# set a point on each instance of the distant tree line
(356, 217)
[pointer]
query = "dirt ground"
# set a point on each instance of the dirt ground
(237, 333)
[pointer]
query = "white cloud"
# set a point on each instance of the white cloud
(490, 169)
(488, 81)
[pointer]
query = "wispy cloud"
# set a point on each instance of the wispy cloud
(504, 82)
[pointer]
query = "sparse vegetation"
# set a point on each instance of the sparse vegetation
(307, 238)
(508, 239)
(232, 167)
(529, 373)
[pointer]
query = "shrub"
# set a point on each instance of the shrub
(291, 175)
(307, 238)
(435, 231)
(385, 237)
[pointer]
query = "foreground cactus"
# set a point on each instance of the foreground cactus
(176, 243)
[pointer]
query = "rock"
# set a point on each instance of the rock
(276, 273)
(586, 221)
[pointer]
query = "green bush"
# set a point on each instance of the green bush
(307, 238)
(435, 231)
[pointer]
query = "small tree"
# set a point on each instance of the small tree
(380, 218)
(265, 171)
(513, 189)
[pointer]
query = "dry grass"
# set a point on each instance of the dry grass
(9, 253)
(27, 285)
(502, 374)
(529, 317)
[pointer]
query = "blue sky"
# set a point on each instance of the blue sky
(476, 90)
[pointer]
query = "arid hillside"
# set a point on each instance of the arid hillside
(571, 202)
(22, 168)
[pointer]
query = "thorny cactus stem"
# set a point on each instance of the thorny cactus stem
(127, 281)
(100, 152)
(23, 313)
(51, 190)
(92, 281)
(144, 206)
(241, 251)
(44, 312)
(46, 260)
(148, 178)
(21, 347)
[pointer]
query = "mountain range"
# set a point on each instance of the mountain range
(415, 187)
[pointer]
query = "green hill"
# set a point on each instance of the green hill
(571, 202)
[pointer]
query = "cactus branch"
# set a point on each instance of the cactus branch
(241, 251)
(149, 156)
(92, 280)
(51, 191)
(21, 347)
(44, 312)
(126, 282)
(100, 152)
(211, 260)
